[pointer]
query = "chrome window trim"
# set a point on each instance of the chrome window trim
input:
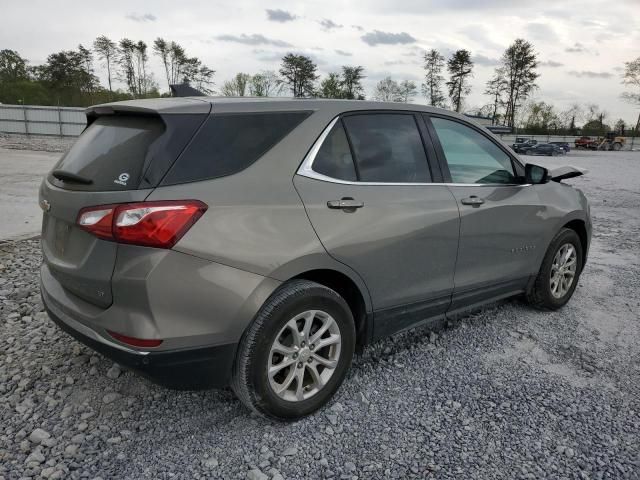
(306, 170)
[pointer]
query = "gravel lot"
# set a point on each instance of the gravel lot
(508, 392)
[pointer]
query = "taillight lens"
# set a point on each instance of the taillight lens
(151, 224)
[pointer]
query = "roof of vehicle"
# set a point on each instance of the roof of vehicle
(252, 104)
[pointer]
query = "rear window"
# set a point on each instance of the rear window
(110, 154)
(227, 144)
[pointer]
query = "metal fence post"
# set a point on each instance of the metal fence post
(26, 121)
(60, 119)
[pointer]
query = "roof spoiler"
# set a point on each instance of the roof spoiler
(185, 90)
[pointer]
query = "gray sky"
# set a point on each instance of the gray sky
(582, 44)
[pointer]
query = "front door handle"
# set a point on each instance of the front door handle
(472, 200)
(346, 203)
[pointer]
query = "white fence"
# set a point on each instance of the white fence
(37, 120)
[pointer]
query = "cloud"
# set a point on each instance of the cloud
(577, 48)
(281, 16)
(358, 27)
(590, 74)
(329, 24)
(142, 17)
(594, 23)
(541, 31)
(387, 38)
(343, 53)
(253, 39)
(551, 63)
(480, 35)
(485, 61)
(391, 63)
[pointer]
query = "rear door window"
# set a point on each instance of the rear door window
(229, 143)
(388, 148)
(334, 157)
(110, 154)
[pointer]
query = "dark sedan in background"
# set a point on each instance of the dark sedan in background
(549, 149)
(563, 145)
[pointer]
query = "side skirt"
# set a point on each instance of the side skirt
(434, 313)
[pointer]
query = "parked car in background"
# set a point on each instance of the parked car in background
(563, 145)
(209, 242)
(525, 144)
(544, 149)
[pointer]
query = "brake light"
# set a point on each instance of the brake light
(151, 224)
(136, 342)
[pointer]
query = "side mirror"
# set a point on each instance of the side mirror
(535, 174)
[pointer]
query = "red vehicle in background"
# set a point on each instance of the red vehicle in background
(585, 142)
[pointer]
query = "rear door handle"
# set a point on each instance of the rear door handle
(472, 200)
(345, 204)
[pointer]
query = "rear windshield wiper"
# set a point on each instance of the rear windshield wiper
(71, 177)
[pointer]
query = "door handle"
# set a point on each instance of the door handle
(346, 203)
(472, 200)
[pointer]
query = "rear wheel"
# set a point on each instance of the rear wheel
(559, 273)
(617, 146)
(296, 353)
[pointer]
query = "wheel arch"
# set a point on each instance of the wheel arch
(579, 226)
(348, 289)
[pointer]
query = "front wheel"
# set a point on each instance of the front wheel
(296, 353)
(559, 273)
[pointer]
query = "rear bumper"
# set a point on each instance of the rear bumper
(189, 369)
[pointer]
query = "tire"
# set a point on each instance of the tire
(252, 383)
(617, 146)
(541, 294)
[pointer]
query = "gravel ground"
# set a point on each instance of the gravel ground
(39, 143)
(508, 392)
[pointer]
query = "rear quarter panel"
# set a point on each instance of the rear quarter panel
(256, 220)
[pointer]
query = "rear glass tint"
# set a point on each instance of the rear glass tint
(110, 154)
(227, 144)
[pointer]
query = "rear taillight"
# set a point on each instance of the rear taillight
(151, 224)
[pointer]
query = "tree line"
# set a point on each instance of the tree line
(68, 78)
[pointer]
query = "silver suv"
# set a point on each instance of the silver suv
(207, 242)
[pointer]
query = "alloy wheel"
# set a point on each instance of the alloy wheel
(563, 270)
(304, 355)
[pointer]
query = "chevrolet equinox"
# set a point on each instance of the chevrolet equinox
(254, 243)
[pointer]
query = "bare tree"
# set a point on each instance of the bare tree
(132, 59)
(407, 90)
(519, 63)
(265, 84)
(631, 78)
(571, 116)
(86, 57)
(460, 69)
(107, 51)
(496, 88)
(238, 86)
(433, 79)
(387, 90)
